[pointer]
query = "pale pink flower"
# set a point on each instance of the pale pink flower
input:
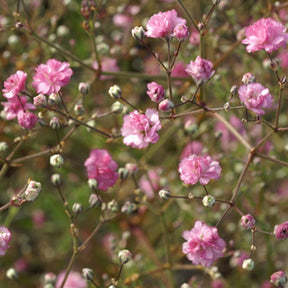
(166, 105)
(247, 221)
(204, 245)
(74, 280)
(281, 230)
(156, 92)
(181, 31)
(283, 58)
(27, 119)
(139, 130)
(163, 25)
(199, 168)
(107, 65)
(151, 184)
(279, 278)
(13, 106)
(5, 237)
(266, 34)
(122, 20)
(200, 70)
(14, 84)
(100, 166)
(193, 147)
(51, 77)
(194, 38)
(255, 97)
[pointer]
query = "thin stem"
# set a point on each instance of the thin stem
(188, 14)
(69, 267)
(271, 159)
(278, 109)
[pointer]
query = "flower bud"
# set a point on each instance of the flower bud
(77, 208)
(79, 110)
(226, 106)
(124, 256)
(53, 99)
(131, 167)
(56, 160)
(115, 92)
(233, 90)
(185, 285)
(166, 105)
(56, 179)
(281, 230)
(11, 274)
(94, 200)
(248, 78)
(138, 33)
(247, 221)
(83, 88)
(164, 194)
(123, 173)
(208, 201)
(91, 123)
(113, 206)
(32, 191)
(117, 107)
(87, 274)
(49, 285)
(55, 123)
(40, 100)
(92, 183)
(128, 208)
(248, 264)
(279, 279)
(50, 278)
(3, 146)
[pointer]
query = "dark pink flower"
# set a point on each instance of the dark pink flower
(247, 221)
(281, 230)
(255, 97)
(101, 167)
(199, 168)
(5, 237)
(74, 280)
(279, 278)
(204, 245)
(163, 25)
(139, 130)
(266, 34)
(13, 106)
(156, 92)
(14, 84)
(27, 119)
(200, 70)
(51, 77)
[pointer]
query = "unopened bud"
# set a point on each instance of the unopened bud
(248, 78)
(79, 110)
(3, 146)
(131, 167)
(166, 105)
(56, 161)
(92, 183)
(233, 90)
(11, 274)
(77, 208)
(117, 107)
(279, 279)
(185, 285)
(128, 208)
(226, 106)
(124, 256)
(113, 206)
(247, 221)
(94, 200)
(50, 278)
(123, 173)
(55, 123)
(87, 274)
(32, 191)
(56, 179)
(53, 99)
(248, 264)
(164, 194)
(208, 201)
(138, 33)
(83, 88)
(40, 100)
(115, 92)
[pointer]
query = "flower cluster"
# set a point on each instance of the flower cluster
(265, 34)
(204, 245)
(199, 168)
(167, 24)
(139, 130)
(100, 166)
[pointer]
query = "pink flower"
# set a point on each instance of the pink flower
(139, 130)
(122, 20)
(255, 97)
(247, 221)
(266, 34)
(5, 237)
(194, 38)
(51, 77)
(283, 58)
(165, 24)
(13, 106)
(155, 91)
(279, 278)
(74, 280)
(151, 185)
(203, 246)
(200, 70)
(107, 65)
(281, 230)
(179, 70)
(166, 105)
(101, 167)
(14, 84)
(27, 119)
(199, 168)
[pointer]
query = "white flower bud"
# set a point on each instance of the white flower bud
(56, 160)
(208, 201)
(32, 191)
(124, 256)
(115, 92)
(138, 33)
(248, 264)
(12, 274)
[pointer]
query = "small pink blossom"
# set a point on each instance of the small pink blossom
(5, 237)
(139, 130)
(194, 38)
(266, 34)
(247, 221)
(200, 70)
(156, 92)
(13, 106)
(204, 245)
(74, 280)
(181, 31)
(101, 167)
(179, 70)
(279, 278)
(27, 119)
(163, 24)
(51, 77)
(14, 84)
(255, 97)
(281, 230)
(199, 168)
(151, 184)
(166, 105)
